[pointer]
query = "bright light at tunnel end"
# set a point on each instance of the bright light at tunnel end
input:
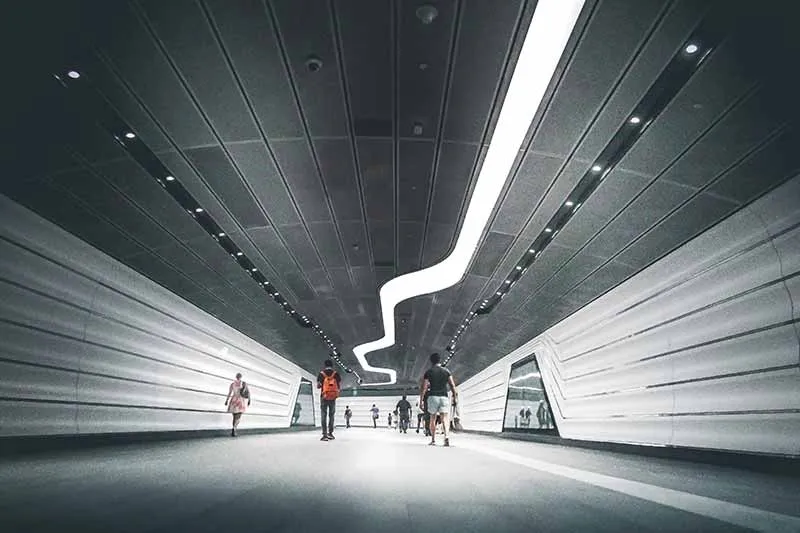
(547, 36)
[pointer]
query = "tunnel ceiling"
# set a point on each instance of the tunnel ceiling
(335, 143)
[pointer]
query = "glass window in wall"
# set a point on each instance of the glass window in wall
(527, 408)
(303, 414)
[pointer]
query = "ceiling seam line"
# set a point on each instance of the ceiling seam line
(515, 45)
(270, 151)
(642, 44)
(154, 36)
(90, 168)
(700, 137)
(178, 150)
(340, 63)
(437, 150)
(296, 94)
(395, 14)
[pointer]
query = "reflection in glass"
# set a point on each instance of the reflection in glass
(527, 408)
(303, 413)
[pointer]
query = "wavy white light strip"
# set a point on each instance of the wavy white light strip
(548, 33)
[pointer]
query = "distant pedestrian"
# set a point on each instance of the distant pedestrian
(329, 382)
(238, 393)
(404, 409)
(435, 382)
(375, 415)
(542, 415)
(390, 420)
(348, 414)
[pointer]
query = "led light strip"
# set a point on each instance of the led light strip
(675, 75)
(547, 36)
(141, 153)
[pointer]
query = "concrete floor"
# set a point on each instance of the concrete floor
(380, 481)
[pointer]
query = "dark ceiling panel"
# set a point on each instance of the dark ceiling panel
(486, 32)
(424, 55)
(305, 28)
(297, 165)
(493, 248)
(262, 176)
(416, 162)
(376, 160)
(341, 280)
(453, 176)
(273, 249)
(741, 130)
(145, 69)
(355, 243)
(410, 247)
(300, 246)
(184, 31)
(531, 182)
(382, 235)
(768, 167)
(364, 280)
(366, 34)
(614, 32)
(336, 162)
(328, 243)
(215, 166)
(437, 243)
(249, 39)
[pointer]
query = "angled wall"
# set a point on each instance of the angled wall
(87, 345)
(700, 349)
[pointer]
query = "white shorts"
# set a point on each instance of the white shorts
(438, 404)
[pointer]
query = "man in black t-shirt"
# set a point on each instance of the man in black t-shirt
(404, 408)
(436, 381)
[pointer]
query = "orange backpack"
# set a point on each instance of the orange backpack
(330, 388)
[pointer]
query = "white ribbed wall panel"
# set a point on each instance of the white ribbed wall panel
(700, 349)
(88, 345)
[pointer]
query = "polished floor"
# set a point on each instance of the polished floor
(381, 481)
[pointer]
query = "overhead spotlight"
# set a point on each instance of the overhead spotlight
(569, 203)
(130, 135)
(221, 234)
(74, 74)
(597, 168)
(253, 270)
(635, 120)
(239, 254)
(691, 48)
(170, 178)
(548, 230)
(198, 210)
(507, 282)
(499, 293)
(531, 251)
(518, 267)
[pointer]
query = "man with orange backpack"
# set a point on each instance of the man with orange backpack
(329, 382)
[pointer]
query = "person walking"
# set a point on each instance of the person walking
(238, 393)
(404, 410)
(329, 382)
(435, 382)
(375, 415)
(348, 414)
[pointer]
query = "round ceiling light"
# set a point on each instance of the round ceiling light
(691, 48)
(170, 178)
(635, 120)
(597, 168)
(427, 13)
(74, 74)
(130, 135)
(313, 63)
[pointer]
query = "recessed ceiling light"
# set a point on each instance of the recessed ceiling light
(531, 251)
(499, 293)
(508, 282)
(597, 168)
(635, 120)
(569, 203)
(548, 230)
(74, 74)
(170, 178)
(518, 267)
(239, 254)
(691, 48)
(253, 270)
(198, 210)
(547, 35)
(221, 234)
(130, 135)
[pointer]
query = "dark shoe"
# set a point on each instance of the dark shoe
(325, 438)
(417, 431)
(432, 443)
(331, 437)
(233, 433)
(446, 443)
